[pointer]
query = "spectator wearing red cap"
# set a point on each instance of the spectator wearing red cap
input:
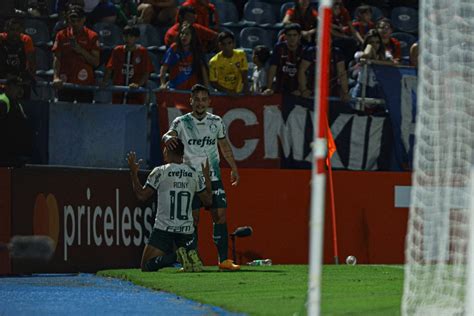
(76, 53)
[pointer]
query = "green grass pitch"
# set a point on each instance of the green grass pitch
(281, 289)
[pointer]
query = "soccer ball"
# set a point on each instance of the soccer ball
(352, 260)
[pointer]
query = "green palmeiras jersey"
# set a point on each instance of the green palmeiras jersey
(176, 185)
(200, 139)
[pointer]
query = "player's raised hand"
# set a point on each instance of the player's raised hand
(234, 177)
(133, 164)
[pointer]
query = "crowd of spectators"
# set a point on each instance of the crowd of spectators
(199, 48)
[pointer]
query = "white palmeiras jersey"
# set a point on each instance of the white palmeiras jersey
(176, 185)
(200, 139)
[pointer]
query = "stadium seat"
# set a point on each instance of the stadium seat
(42, 91)
(284, 7)
(110, 35)
(150, 37)
(376, 13)
(155, 60)
(153, 84)
(103, 96)
(405, 19)
(228, 14)
(252, 36)
(44, 59)
(39, 32)
(406, 40)
(259, 13)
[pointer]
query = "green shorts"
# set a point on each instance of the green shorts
(219, 199)
(165, 241)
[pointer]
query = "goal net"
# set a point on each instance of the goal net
(438, 271)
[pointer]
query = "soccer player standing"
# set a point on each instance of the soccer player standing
(202, 133)
(176, 183)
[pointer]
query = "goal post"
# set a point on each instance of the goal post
(439, 243)
(318, 179)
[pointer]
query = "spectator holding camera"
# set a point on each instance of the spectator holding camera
(76, 53)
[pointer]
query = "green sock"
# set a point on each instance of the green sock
(221, 239)
(156, 263)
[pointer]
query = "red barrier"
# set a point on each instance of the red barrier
(98, 223)
(276, 204)
(5, 219)
(244, 117)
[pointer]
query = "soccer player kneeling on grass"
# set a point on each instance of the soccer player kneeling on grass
(176, 183)
(204, 134)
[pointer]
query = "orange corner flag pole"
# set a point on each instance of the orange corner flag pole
(331, 151)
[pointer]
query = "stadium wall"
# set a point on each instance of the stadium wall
(97, 223)
(5, 217)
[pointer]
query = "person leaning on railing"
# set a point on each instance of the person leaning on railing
(373, 52)
(17, 53)
(76, 53)
(128, 65)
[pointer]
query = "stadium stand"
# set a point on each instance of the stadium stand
(110, 35)
(39, 32)
(228, 14)
(150, 38)
(377, 13)
(406, 40)
(252, 36)
(284, 7)
(260, 13)
(44, 59)
(405, 19)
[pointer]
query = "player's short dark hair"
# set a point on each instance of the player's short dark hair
(178, 150)
(199, 87)
(292, 27)
(262, 52)
(131, 30)
(225, 34)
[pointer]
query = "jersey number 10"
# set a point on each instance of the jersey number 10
(179, 204)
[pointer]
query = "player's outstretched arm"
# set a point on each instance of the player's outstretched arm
(206, 195)
(142, 193)
(170, 139)
(229, 157)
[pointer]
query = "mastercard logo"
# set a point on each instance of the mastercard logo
(46, 217)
